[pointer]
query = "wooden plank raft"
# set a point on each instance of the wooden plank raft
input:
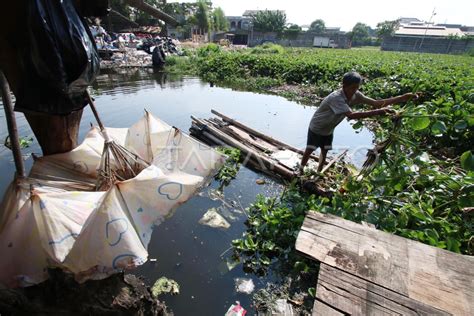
(365, 271)
(261, 151)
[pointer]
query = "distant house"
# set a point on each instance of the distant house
(240, 27)
(428, 30)
(242, 31)
(418, 36)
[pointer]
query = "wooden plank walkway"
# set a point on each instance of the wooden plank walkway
(365, 271)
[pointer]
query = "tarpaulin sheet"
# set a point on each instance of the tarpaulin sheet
(54, 219)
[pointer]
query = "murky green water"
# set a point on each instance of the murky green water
(195, 255)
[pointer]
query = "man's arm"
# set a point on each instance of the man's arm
(384, 102)
(365, 114)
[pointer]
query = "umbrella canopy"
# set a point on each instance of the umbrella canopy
(53, 218)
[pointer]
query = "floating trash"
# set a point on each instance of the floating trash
(215, 195)
(244, 285)
(213, 219)
(236, 310)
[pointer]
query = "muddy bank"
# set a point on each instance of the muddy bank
(120, 294)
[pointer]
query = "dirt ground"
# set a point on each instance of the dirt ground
(120, 294)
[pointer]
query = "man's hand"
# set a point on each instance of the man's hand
(410, 96)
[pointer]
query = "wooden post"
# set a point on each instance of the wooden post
(55, 133)
(11, 123)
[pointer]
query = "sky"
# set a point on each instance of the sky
(346, 14)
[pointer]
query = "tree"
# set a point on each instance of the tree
(360, 33)
(317, 26)
(292, 31)
(202, 15)
(219, 21)
(386, 28)
(269, 21)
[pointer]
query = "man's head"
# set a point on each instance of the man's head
(351, 83)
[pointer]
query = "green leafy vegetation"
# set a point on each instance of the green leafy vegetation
(231, 167)
(422, 186)
(273, 224)
(268, 48)
(180, 65)
(24, 142)
(205, 51)
(386, 28)
(269, 21)
(317, 26)
(164, 285)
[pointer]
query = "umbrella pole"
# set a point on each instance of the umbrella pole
(94, 110)
(11, 123)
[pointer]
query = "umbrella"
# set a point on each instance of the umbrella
(117, 161)
(55, 218)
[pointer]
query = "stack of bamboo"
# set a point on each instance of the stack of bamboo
(259, 150)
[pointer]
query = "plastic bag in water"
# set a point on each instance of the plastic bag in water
(60, 59)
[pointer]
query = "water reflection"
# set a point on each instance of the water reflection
(126, 81)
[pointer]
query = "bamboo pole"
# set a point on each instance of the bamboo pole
(11, 123)
(244, 136)
(333, 161)
(261, 135)
(249, 152)
(210, 138)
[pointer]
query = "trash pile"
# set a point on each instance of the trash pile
(127, 58)
(55, 218)
(133, 49)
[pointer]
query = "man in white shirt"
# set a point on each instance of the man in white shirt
(335, 107)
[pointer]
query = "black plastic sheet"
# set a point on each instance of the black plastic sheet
(60, 59)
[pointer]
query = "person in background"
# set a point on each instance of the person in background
(335, 107)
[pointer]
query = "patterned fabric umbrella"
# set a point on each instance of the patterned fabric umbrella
(54, 218)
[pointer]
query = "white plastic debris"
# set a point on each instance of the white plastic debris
(213, 219)
(287, 157)
(244, 285)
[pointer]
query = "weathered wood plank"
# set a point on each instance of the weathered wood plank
(423, 273)
(356, 296)
(257, 142)
(322, 309)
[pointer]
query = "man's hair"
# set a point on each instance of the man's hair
(351, 78)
